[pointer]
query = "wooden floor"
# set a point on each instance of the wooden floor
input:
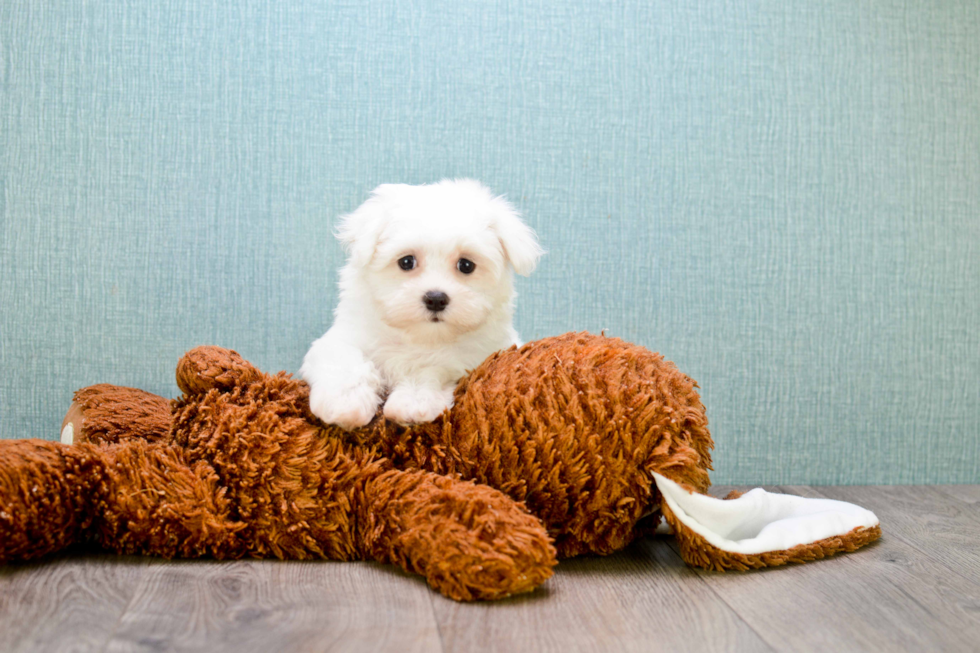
(917, 589)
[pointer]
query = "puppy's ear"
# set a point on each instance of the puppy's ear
(519, 241)
(360, 230)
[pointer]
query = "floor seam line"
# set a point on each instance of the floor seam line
(721, 598)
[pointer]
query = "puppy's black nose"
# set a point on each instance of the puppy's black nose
(435, 300)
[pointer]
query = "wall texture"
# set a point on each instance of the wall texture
(784, 198)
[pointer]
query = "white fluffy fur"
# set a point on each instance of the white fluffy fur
(384, 341)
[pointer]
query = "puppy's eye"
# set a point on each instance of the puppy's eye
(407, 262)
(465, 266)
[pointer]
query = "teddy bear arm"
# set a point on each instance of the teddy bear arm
(40, 512)
(134, 497)
(470, 541)
(105, 413)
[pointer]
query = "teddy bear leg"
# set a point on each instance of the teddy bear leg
(469, 541)
(205, 368)
(106, 413)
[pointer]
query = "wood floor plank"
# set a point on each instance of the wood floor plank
(270, 605)
(917, 589)
(968, 494)
(886, 597)
(641, 599)
(946, 530)
(68, 603)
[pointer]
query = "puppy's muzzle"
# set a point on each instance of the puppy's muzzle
(435, 300)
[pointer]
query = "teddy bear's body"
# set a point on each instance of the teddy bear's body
(549, 449)
(572, 426)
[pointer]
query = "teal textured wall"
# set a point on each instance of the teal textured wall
(782, 197)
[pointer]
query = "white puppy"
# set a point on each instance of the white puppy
(427, 294)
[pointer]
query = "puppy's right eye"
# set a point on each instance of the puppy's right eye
(407, 262)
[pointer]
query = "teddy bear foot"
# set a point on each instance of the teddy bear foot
(104, 414)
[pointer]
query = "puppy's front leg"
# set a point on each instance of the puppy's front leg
(345, 387)
(415, 402)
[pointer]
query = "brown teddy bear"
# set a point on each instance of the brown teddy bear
(569, 445)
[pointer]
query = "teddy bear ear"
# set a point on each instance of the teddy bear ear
(761, 529)
(360, 230)
(519, 241)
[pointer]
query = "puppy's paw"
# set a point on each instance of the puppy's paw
(409, 404)
(349, 408)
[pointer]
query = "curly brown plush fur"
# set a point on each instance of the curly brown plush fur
(547, 451)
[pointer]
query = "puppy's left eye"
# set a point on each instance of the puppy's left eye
(465, 266)
(407, 262)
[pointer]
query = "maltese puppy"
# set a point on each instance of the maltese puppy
(427, 294)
